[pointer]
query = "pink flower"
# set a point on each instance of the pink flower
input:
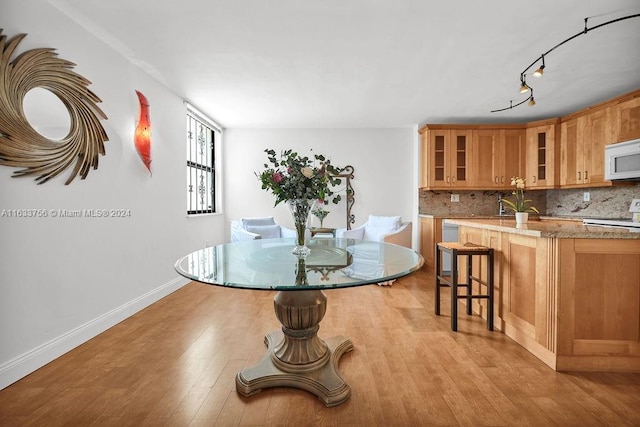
(277, 177)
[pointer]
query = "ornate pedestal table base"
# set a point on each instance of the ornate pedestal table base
(296, 357)
(324, 382)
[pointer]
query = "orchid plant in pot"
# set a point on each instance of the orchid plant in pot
(519, 204)
(303, 183)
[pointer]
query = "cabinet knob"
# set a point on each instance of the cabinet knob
(502, 180)
(496, 179)
(579, 176)
(586, 175)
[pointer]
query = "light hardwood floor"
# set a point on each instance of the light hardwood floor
(174, 364)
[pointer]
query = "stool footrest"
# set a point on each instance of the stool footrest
(474, 296)
(478, 280)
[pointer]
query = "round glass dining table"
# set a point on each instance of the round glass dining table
(296, 356)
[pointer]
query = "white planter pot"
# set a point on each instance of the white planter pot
(522, 217)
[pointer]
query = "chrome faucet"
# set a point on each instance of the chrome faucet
(501, 209)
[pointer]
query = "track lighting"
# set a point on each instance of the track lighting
(539, 71)
(524, 87)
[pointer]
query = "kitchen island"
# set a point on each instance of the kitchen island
(568, 293)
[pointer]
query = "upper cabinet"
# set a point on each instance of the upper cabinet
(542, 153)
(485, 147)
(497, 155)
(583, 138)
(470, 156)
(445, 157)
(572, 151)
(627, 112)
(513, 156)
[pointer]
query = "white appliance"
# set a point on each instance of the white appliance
(613, 222)
(449, 234)
(622, 161)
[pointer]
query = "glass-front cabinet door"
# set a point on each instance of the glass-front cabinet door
(542, 153)
(448, 160)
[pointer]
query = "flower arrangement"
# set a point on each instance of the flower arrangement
(301, 183)
(320, 213)
(292, 177)
(519, 204)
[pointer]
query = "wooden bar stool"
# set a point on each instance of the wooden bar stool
(470, 250)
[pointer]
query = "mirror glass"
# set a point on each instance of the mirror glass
(46, 113)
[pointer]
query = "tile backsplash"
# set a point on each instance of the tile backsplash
(471, 202)
(607, 202)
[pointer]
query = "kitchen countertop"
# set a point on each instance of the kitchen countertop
(553, 227)
(532, 217)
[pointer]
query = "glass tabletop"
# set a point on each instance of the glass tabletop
(269, 264)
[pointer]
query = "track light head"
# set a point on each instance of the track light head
(539, 72)
(523, 84)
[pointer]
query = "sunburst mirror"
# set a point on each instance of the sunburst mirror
(24, 147)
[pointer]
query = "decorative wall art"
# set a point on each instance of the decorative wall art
(21, 145)
(142, 136)
(347, 173)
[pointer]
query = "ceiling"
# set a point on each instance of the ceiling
(372, 63)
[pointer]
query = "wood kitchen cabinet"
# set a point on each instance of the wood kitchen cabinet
(583, 139)
(571, 152)
(485, 147)
(627, 112)
(542, 150)
(513, 155)
(571, 301)
(430, 234)
(498, 155)
(445, 157)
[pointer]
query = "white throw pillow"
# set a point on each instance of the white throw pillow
(377, 226)
(257, 221)
(390, 223)
(265, 231)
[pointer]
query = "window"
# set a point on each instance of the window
(202, 139)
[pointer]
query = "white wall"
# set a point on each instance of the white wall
(64, 280)
(384, 162)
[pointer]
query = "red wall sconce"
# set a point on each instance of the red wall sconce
(142, 136)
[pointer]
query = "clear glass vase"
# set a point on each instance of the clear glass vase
(301, 211)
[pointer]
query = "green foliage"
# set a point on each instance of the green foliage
(291, 176)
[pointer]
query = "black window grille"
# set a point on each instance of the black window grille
(201, 176)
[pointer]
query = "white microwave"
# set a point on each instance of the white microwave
(622, 161)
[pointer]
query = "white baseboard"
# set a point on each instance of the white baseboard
(26, 363)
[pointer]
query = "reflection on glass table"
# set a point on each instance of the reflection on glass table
(296, 356)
